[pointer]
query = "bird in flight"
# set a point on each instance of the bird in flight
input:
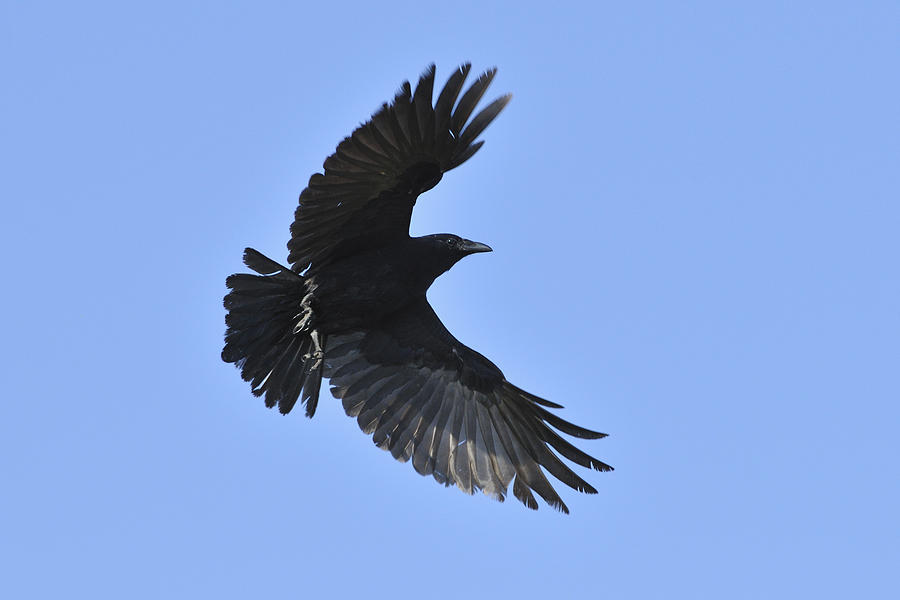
(352, 308)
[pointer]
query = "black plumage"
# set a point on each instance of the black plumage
(352, 308)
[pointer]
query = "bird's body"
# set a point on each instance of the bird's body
(366, 287)
(352, 308)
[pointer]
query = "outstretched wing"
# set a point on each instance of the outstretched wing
(427, 397)
(365, 197)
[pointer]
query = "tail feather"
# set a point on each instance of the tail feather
(311, 391)
(260, 339)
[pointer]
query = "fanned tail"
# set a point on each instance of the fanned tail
(266, 337)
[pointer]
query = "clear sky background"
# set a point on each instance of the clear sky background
(694, 211)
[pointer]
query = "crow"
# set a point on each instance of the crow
(352, 308)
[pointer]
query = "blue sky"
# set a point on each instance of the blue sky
(694, 212)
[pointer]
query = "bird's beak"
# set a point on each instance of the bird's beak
(470, 247)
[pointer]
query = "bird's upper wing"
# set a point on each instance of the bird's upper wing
(365, 197)
(427, 397)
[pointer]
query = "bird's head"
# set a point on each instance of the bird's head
(451, 248)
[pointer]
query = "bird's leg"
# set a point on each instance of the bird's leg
(306, 316)
(304, 323)
(316, 353)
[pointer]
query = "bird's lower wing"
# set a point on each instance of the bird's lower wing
(424, 396)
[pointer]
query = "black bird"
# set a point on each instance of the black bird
(352, 308)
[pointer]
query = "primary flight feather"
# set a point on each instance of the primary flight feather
(352, 308)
